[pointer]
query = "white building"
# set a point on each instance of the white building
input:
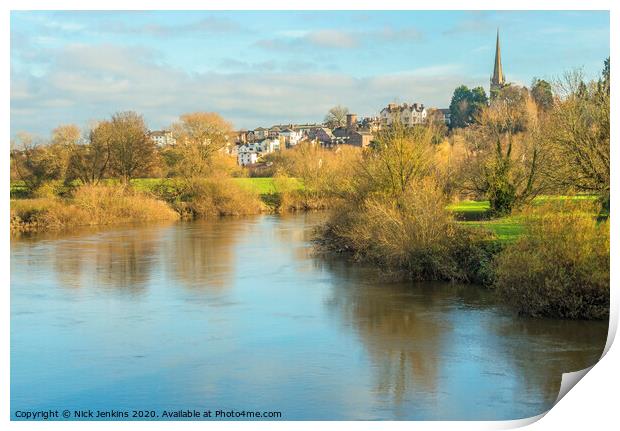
(261, 133)
(246, 158)
(162, 137)
(249, 153)
(269, 145)
(291, 137)
(408, 115)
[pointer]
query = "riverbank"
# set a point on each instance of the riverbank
(56, 206)
(28, 214)
(88, 206)
(532, 258)
(548, 260)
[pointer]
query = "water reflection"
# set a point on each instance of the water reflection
(122, 259)
(433, 341)
(202, 255)
(547, 348)
(241, 313)
(404, 344)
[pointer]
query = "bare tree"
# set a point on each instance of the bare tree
(507, 158)
(399, 156)
(579, 135)
(35, 162)
(132, 152)
(336, 117)
(89, 156)
(199, 135)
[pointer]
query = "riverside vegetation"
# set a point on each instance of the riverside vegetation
(517, 199)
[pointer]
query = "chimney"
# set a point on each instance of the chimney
(351, 121)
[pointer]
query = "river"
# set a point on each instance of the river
(240, 314)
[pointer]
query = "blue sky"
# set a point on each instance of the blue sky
(262, 68)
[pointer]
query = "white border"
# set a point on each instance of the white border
(591, 404)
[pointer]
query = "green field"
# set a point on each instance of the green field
(259, 185)
(265, 185)
(505, 228)
(469, 206)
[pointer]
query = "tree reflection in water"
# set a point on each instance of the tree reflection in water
(201, 254)
(419, 335)
(547, 348)
(121, 259)
(404, 342)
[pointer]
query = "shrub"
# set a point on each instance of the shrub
(304, 200)
(414, 234)
(51, 189)
(111, 204)
(90, 206)
(210, 197)
(560, 268)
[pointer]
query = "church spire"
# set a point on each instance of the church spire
(498, 79)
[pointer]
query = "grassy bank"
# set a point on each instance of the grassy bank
(550, 259)
(209, 197)
(61, 206)
(559, 267)
(237, 196)
(89, 206)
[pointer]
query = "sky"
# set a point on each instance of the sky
(270, 67)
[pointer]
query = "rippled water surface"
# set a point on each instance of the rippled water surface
(239, 314)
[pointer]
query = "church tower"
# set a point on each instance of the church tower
(498, 80)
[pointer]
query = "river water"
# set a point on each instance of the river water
(240, 314)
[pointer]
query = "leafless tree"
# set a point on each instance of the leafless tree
(336, 117)
(199, 135)
(132, 152)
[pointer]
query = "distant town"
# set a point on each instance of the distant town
(248, 146)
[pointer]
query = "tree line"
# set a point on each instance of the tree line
(119, 147)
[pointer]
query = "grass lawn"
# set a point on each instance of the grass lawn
(506, 228)
(260, 185)
(469, 206)
(473, 212)
(264, 186)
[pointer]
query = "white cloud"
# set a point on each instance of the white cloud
(332, 39)
(339, 39)
(92, 82)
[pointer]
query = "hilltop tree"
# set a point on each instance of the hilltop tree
(467, 105)
(542, 94)
(336, 117)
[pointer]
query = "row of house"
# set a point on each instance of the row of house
(249, 145)
(290, 134)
